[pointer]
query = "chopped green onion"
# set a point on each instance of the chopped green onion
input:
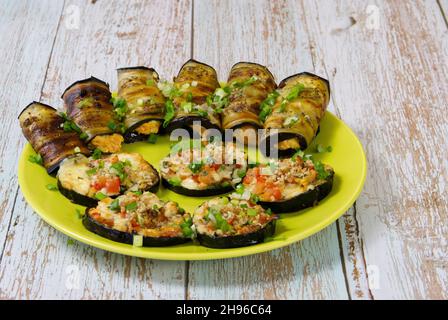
(175, 182)
(137, 240)
(321, 149)
(254, 198)
(186, 228)
(150, 82)
(169, 113)
(251, 212)
(295, 92)
(97, 154)
(35, 158)
(86, 102)
(241, 173)
(114, 205)
(91, 171)
(152, 138)
(83, 136)
(100, 196)
(131, 206)
(320, 169)
(138, 192)
(239, 189)
(195, 167)
(51, 187)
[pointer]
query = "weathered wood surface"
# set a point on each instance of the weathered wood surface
(37, 261)
(387, 63)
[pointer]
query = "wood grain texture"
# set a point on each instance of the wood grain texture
(390, 85)
(25, 49)
(37, 262)
(271, 33)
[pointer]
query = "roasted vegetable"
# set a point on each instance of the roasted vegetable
(133, 218)
(50, 135)
(142, 101)
(203, 169)
(88, 103)
(287, 185)
(86, 180)
(298, 110)
(225, 223)
(247, 87)
(194, 83)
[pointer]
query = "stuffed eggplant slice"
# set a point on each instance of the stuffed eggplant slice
(143, 101)
(49, 135)
(225, 223)
(287, 185)
(140, 219)
(188, 98)
(86, 180)
(203, 168)
(88, 103)
(295, 115)
(247, 87)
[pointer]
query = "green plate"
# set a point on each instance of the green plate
(347, 158)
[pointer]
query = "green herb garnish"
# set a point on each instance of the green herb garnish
(186, 228)
(169, 113)
(152, 138)
(267, 104)
(175, 182)
(252, 212)
(321, 149)
(131, 206)
(195, 167)
(320, 169)
(86, 102)
(239, 189)
(91, 171)
(97, 154)
(150, 82)
(36, 158)
(114, 205)
(100, 196)
(51, 187)
(83, 136)
(295, 92)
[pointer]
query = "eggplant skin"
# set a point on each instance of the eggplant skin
(302, 201)
(124, 237)
(237, 241)
(244, 108)
(305, 111)
(88, 103)
(206, 80)
(146, 101)
(196, 193)
(41, 126)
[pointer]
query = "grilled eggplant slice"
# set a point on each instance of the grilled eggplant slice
(249, 84)
(297, 112)
(200, 169)
(131, 216)
(194, 83)
(86, 180)
(287, 185)
(224, 223)
(44, 128)
(145, 102)
(88, 103)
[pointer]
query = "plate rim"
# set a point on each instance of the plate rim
(143, 252)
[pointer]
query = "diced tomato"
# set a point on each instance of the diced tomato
(277, 194)
(113, 185)
(99, 183)
(215, 166)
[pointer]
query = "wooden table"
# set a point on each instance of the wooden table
(388, 67)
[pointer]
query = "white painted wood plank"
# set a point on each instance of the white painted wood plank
(38, 263)
(273, 34)
(390, 85)
(27, 31)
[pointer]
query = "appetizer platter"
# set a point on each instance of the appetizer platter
(106, 172)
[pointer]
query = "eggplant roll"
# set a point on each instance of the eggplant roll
(140, 219)
(86, 180)
(194, 83)
(288, 185)
(297, 112)
(230, 223)
(43, 127)
(204, 169)
(251, 83)
(145, 102)
(88, 103)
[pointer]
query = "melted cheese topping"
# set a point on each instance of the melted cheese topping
(224, 217)
(292, 143)
(108, 143)
(108, 175)
(202, 167)
(143, 214)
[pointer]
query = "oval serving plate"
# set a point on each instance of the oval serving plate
(347, 158)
